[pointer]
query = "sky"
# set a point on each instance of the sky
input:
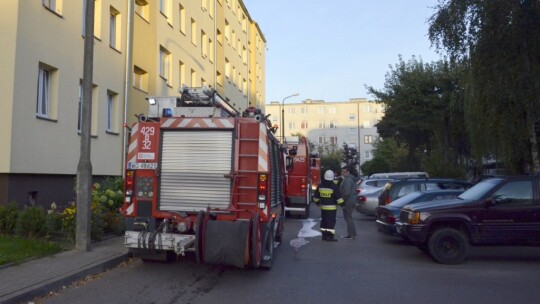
(331, 49)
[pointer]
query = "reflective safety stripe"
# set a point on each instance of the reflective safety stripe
(340, 201)
(333, 231)
(326, 192)
(315, 199)
(329, 207)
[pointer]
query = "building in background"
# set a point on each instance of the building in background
(331, 123)
(208, 42)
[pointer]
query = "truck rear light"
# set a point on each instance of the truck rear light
(362, 199)
(262, 187)
(303, 185)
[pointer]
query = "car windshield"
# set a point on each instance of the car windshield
(404, 200)
(479, 190)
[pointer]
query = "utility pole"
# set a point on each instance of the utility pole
(84, 169)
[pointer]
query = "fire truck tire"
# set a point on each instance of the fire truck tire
(268, 253)
(280, 228)
(199, 237)
(256, 242)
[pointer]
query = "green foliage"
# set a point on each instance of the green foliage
(350, 158)
(499, 41)
(31, 222)
(8, 218)
(16, 249)
(331, 160)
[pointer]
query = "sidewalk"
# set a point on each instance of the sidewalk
(19, 283)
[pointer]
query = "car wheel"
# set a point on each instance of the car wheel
(448, 246)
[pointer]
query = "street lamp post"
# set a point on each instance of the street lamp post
(283, 116)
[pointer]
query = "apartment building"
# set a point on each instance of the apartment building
(331, 123)
(175, 42)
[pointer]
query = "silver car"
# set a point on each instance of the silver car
(368, 195)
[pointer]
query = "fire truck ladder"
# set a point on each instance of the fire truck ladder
(247, 139)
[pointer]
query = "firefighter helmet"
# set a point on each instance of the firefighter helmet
(329, 175)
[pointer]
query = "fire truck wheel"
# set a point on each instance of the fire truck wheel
(256, 244)
(280, 227)
(199, 237)
(268, 254)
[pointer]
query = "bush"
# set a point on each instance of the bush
(69, 221)
(31, 222)
(8, 218)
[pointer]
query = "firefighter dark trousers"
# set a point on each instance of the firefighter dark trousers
(328, 221)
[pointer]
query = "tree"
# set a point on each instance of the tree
(499, 40)
(350, 158)
(388, 156)
(424, 110)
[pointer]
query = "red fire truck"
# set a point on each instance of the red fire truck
(299, 177)
(203, 179)
(315, 162)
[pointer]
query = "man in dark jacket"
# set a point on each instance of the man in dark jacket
(328, 197)
(348, 191)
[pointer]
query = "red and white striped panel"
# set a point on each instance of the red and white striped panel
(186, 122)
(263, 148)
(132, 148)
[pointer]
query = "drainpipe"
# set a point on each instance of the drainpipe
(127, 87)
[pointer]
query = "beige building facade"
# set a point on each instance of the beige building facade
(174, 42)
(330, 123)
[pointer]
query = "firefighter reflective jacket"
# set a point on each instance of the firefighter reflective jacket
(328, 195)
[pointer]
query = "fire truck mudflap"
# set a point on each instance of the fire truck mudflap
(201, 179)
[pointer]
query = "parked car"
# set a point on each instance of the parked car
(396, 175)
(398, 188)
(495, 211)
(368, 195)
(387, 215)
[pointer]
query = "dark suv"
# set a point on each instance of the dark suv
(503, 210)
(398, 188)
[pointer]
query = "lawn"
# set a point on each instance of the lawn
(16, 249)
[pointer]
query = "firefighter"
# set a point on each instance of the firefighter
(328, 197)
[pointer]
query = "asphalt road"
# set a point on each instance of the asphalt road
(371, 269)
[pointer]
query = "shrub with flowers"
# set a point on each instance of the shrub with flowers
(107, 197)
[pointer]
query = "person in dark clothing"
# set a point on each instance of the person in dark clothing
(328, 197)
(348, 191)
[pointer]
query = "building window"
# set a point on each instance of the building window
(44, 92)
(193, 32)
(142, 9)
(304, 125)
(333, 140)
(367, 154)
(303, 111)
(165, 9)
(93, 123)
(140, 79)
(182, 73)
(54, 6)
(352, 117)
(193, 78)
(292, 111)
(244, 55)
(114, 29)
(182, 14)
(352, 131)
(322, 125)
(320, 110)
(204, 44)
(227, 68)
(165, 64)
(227, 31)
(97, 18)
(292, 125)
(322, 140)
(333, 124)
(368, 139)
(112, 106)
(219, 78)
(366, 124)
(367, 108)
(332, 110)
(211, 50)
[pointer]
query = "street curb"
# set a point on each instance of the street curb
(42, 289)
